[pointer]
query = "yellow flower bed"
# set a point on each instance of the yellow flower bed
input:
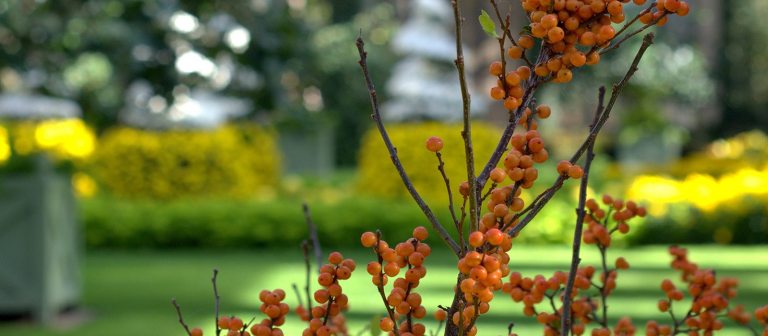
(63, 139)
(732, 169)
(236, 161)
(379, 177)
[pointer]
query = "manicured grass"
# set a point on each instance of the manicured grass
(129, 292)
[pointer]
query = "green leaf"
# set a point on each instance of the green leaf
(488, 25)
(374, 326)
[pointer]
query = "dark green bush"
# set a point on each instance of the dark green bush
(121, 223)
(686, 224)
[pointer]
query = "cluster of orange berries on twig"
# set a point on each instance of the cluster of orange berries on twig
(549, 292)
(567, 25)
(326, 319)
(709, 298)
(275, 309)
(482, 269)
(619, 212)
(403, 303)
(233, 325)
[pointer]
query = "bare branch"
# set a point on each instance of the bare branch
(307, 271)
(216, 300)
(466, 133)
(580, 213)
(181, 319)
(376, 116)
(441, 168)
(313, 236)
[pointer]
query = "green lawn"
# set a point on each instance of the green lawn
(129, 292)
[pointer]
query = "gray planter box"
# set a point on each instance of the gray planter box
(307, 152)
(40, 249)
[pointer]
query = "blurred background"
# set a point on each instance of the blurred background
(144, 143)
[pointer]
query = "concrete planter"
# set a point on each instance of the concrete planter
(40, 245)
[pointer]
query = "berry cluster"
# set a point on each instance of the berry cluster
(709, 297)
(275, 309)
(326, 319)
(583, 306)
(597, 219)
(564, 26)
(761, 314)
(482, 270)
(234, 326)
(403, 303)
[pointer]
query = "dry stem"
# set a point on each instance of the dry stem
(376, 116)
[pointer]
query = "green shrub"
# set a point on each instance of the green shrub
(378, 176)
(234, 161)
(125, 223)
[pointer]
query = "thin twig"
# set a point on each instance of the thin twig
(313, 236)
(441, 168)
(507, 33)
(376, 116)
(380, 285)
(297, 293)
(617, 88)
(628, 36)
(217, 301)
(466, 133)
(181, 319)
(565, 321)
(307, 267)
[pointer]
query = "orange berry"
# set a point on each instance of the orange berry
(476, 239)
(555, 34)
(373, 268)
(196, 332)
(575, 172)
(563, 167)
(524, 71)
(622, 263)
(606, 33)
(671, 5)
(525, 41)
(663, 305)
(541, 70)
(578, 59)
(543, 111)
(496, 68)
(615, 8)
(434, 144)
(386, 324)
(540, 156)
(500, 210)
(588, 39)
(464, 188)
(511, 103)
(498, 175)
(497, 93)
(564, 75)
(420, 233)
(368, 239)
(549, 21)
(335, 258)
(440, 315)
(683, 10)
(518, 141)
(512, 78)
(235, 323)
(494, 236)
(515, 52)
(223, 322)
